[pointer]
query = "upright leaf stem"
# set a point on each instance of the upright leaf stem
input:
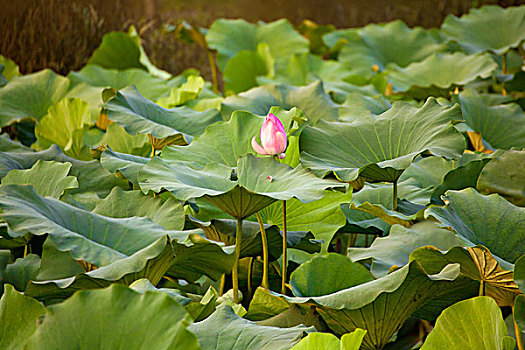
(285, 258)
(394, 195)
(519, 336)
(235, 271)
(266, 257)
(214, 81)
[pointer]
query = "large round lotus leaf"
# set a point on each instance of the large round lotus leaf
(225, 142)
(442, 71)
(19, 273)
(441, 174)
(139, 115)
(18, 315)
(475, 323)
(188, 260)
(336, 271)
(383, 305)
(121, 51)
(123, 165)
(327, 341)
(225, 330)
(31, 96)
(151, 262)
(240, 192)
(311, 99)
(487, 220)
(8, 145)
(229, 37)
(371, 210)
(159, 322)
(379, 45)
(501, 125)
(97, 239)
(478, 264)
(147, 84)
(241, 72)
(65, 124)
(10, 68)
(47, 178)
(490, 28)
(125, 204)
(91, 176)
(394, 250)
(120, 141)
(505, 175)
(381, 148)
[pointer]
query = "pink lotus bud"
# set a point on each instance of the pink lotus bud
(273, 137)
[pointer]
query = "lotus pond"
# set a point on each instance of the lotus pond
(358, 188)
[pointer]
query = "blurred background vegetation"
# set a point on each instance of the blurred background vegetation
(62, 35)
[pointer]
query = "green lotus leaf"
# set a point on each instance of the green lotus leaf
(229, 37)
(441, 175)
(441, 71)
(381, 306)
(257, 183)
(56, 264)
(225, 330)
(91, 176)
(381, 148)
(478, 264)
(159, 322)
(379, 45)
(187, 91)
(322, 217)
(371, 210)
(140, 116)
(120, 50)
(187, 260)
(241, 71)
(501, 125)
(151, 262)
(473, 217)
(143, 285)
(123, 165)
(120, 141)
(519, 273)
(225, 142)
(327, 341)
(10, 68)
(125, 204)
(48, 178)
(148, 85)
(64, 125)
(94, 238)
(394, 250)
(475, 323)
(8, 145)
(31, 96)
(305, 69)
(490, 28)
(18, 315)
(23, 270)
(311, 99)
(356, 104)
(336, 271)
(505, 175)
